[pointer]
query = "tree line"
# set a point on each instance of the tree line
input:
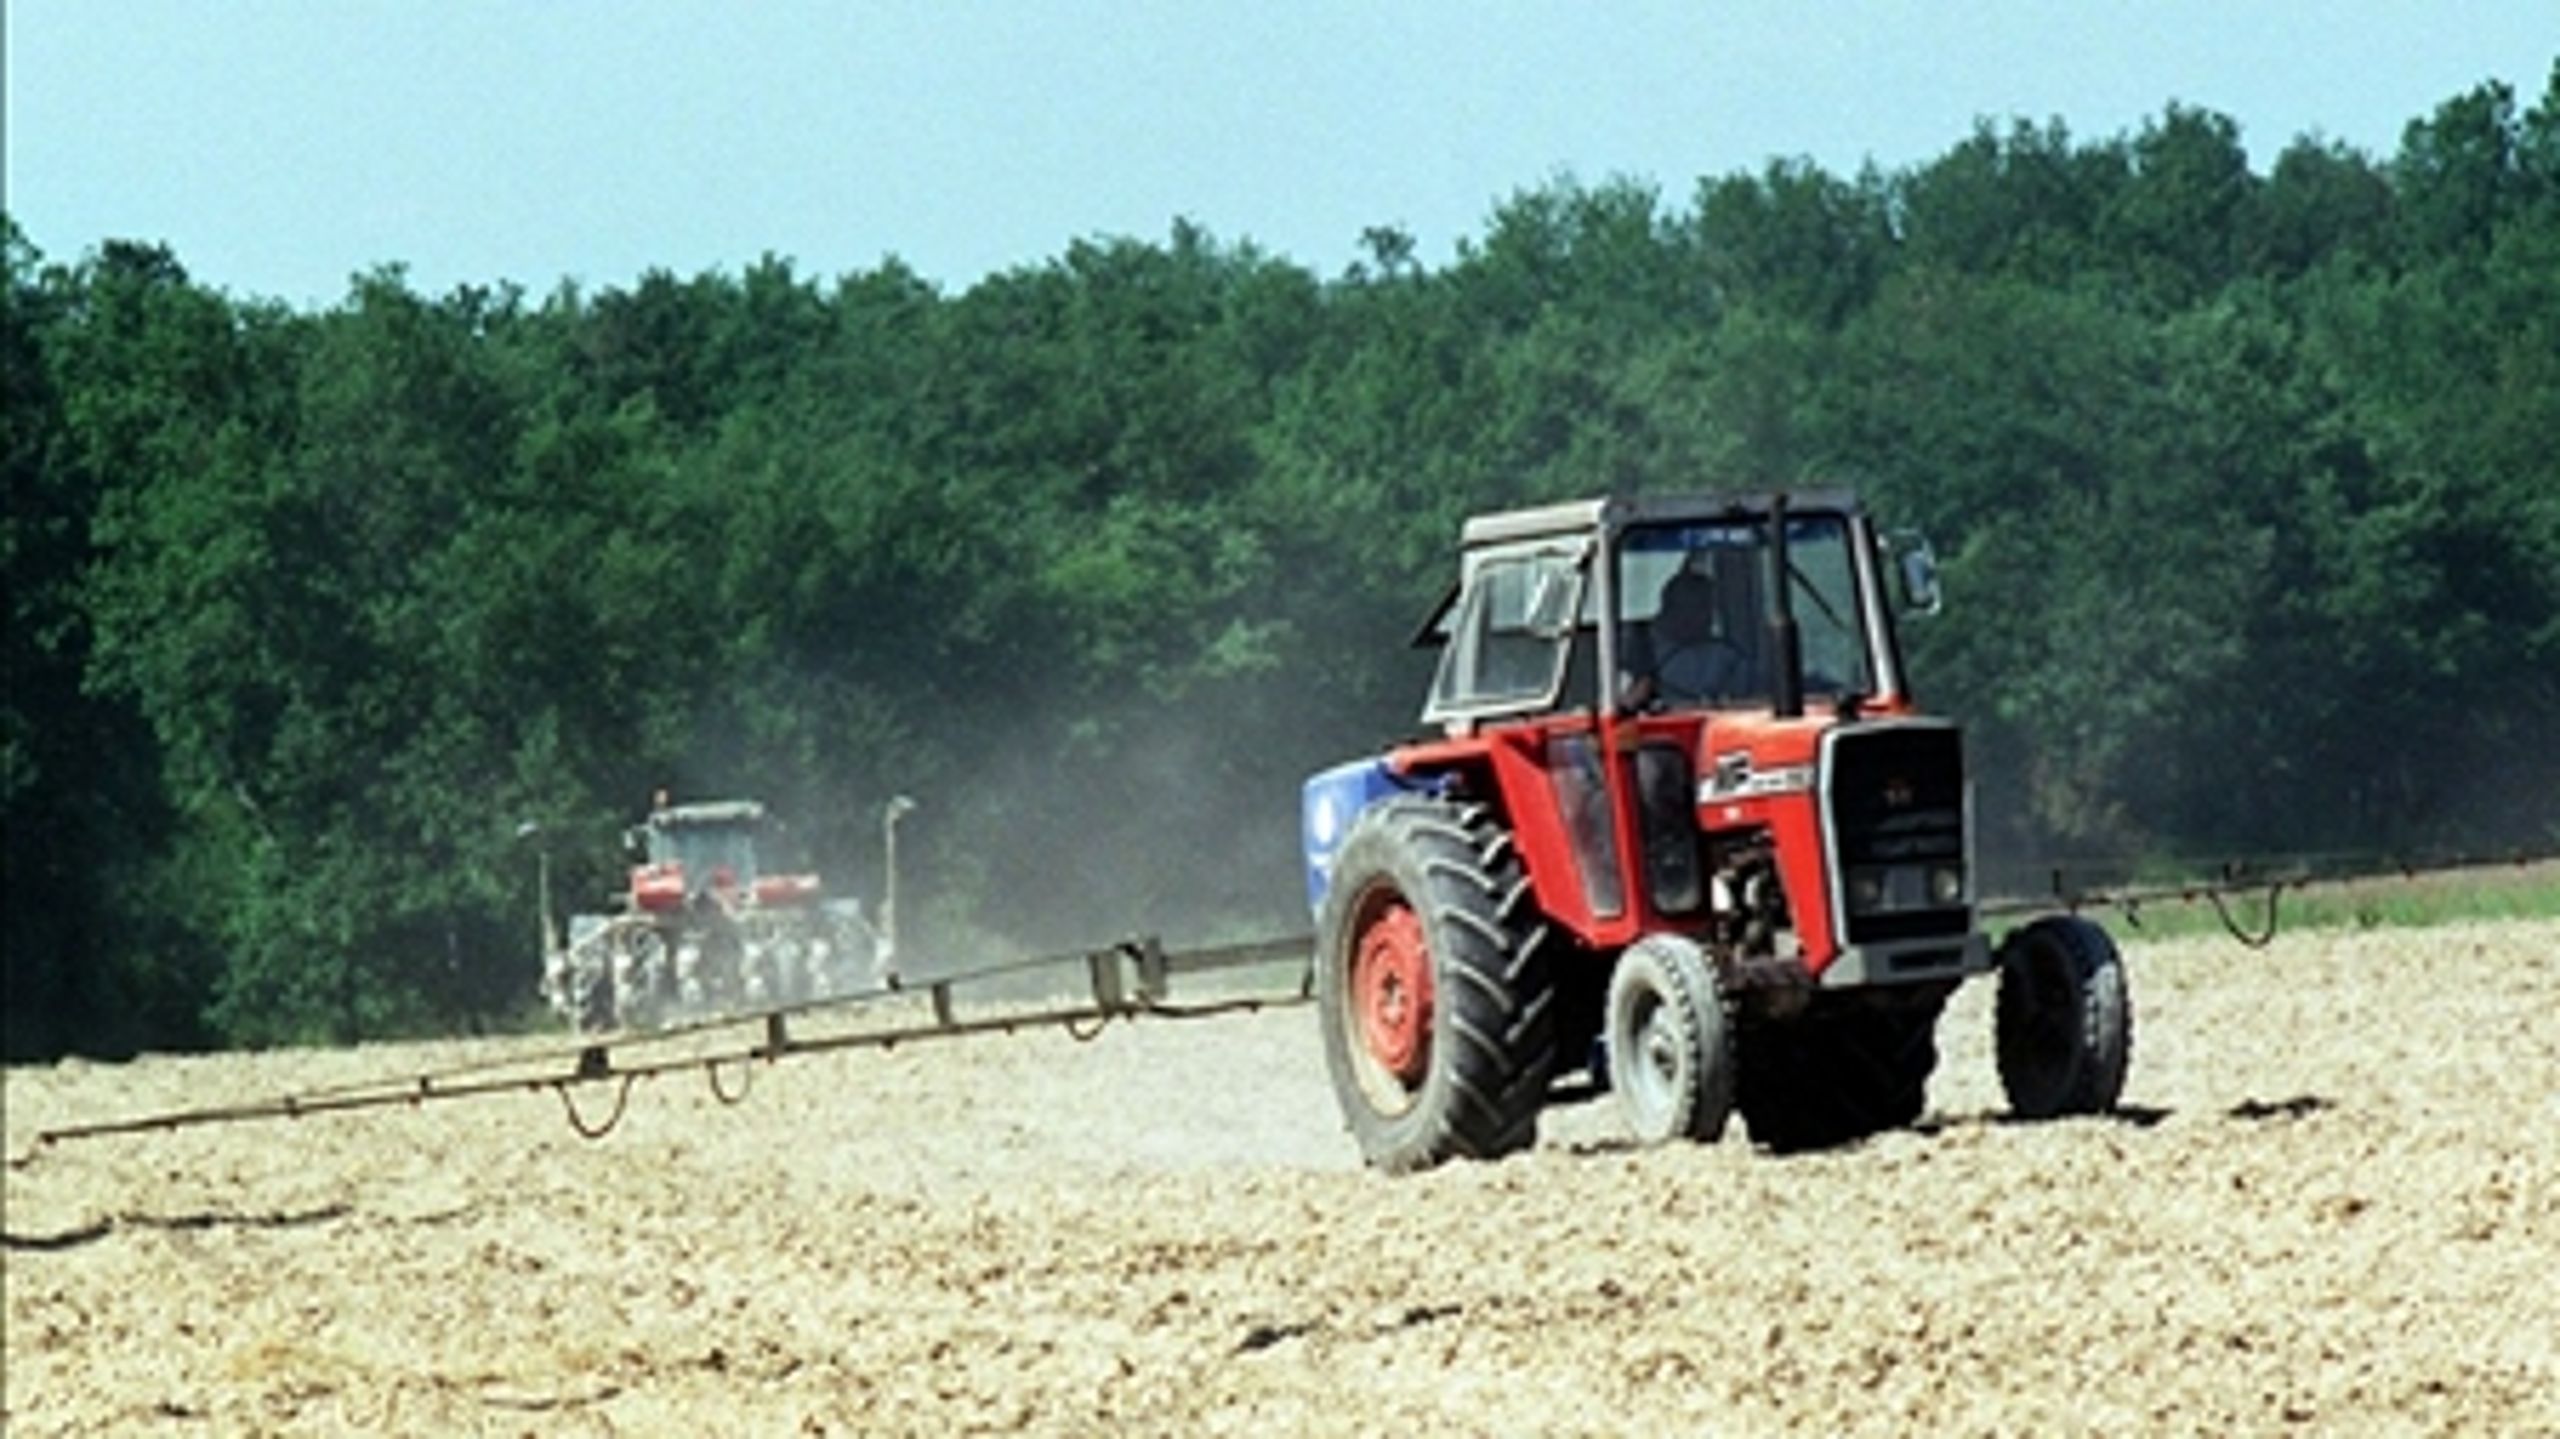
(2245, 485)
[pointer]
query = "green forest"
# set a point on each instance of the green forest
(2246, 485)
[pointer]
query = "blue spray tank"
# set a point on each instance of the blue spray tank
(1332, 801)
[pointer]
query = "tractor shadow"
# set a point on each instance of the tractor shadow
(1578, 1092)
(2127, 1116)
(2136, 1116)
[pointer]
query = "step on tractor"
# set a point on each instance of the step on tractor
(1681, 827)
(703, 929)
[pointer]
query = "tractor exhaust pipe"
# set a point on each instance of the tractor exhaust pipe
(1786, 686)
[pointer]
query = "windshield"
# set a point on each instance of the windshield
(1694, 610)
(705, 851)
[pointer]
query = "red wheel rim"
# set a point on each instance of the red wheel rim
(1391, 991)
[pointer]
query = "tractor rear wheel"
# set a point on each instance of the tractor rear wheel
(1836, 1075)
(1432, 985)
(1670, 1044)
(2064, 1019)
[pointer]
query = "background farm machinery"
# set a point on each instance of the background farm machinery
(705, 927)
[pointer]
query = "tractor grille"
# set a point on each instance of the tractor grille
(1897, 812)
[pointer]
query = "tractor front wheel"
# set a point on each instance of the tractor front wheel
(1670, 1045)
(1432, 985)
(2064, 1019)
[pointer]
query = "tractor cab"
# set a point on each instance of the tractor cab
(692, 852)
(1658, 605)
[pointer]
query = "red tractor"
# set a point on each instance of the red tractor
(705, 928)
(1683, 828)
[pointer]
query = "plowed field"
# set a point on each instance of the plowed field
(2333, 1204)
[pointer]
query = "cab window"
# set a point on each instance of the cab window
(1508, 635)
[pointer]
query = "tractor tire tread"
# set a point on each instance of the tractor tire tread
(1494, 1038)
(2087, 1076)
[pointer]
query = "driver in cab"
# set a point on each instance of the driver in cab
(1678, 658)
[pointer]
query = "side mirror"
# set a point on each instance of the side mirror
(1916, 567)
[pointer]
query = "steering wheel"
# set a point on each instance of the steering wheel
(1707, 646)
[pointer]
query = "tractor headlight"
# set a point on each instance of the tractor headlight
(1866, 890)
(1946, 884)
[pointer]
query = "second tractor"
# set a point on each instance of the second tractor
(706, 927)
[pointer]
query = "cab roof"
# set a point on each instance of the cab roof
(1615, 512)
(727, 811)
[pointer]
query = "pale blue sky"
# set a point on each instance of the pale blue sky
(282, 145)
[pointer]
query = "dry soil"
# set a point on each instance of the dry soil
(2333, 1205)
